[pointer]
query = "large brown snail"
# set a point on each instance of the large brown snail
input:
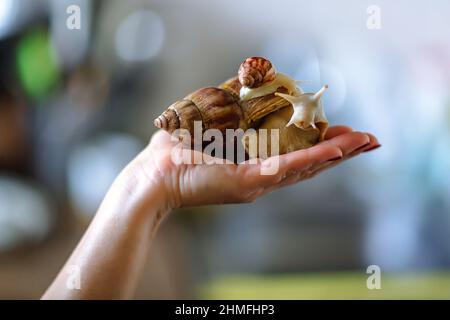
(258, 98)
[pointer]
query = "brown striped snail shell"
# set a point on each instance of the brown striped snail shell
(256, 108)
(216, 108)
(255, 71)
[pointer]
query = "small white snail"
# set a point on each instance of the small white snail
(308, 108)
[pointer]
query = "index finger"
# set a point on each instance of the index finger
(335, 131)
(297, 160)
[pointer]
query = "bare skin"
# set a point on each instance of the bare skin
(112, 253)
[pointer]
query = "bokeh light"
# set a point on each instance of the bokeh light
(25, 213)
(93, 166)
(36, 63)
(140, 36)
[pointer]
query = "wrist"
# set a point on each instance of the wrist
(138, 193)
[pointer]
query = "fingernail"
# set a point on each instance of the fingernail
(335, 158)
(373, 148)
(362, 147)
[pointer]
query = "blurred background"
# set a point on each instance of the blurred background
(77, 104)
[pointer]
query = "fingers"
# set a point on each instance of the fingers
(351, 145)
(274, 169)
(306, 157)
(374, 144)
(369, 145)
(349, 142)
(336, 131)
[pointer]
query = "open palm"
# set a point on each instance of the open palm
(201, 184)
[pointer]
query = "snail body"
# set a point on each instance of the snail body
(291, 138)
(258, 97)
(299, 127)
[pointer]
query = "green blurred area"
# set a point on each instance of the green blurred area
(340, 285)
(36, 64)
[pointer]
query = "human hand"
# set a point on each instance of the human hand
(202, 184)
(119, 236)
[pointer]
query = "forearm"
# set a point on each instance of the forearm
(112, 253)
